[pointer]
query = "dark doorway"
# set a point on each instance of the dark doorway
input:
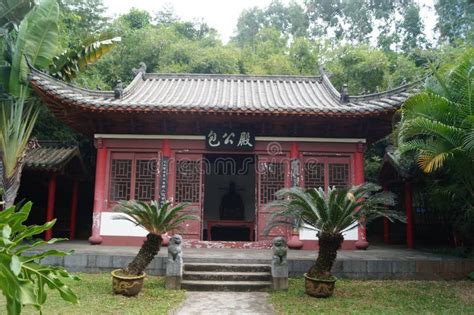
(229, 197)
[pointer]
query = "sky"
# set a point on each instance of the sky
(223, 14)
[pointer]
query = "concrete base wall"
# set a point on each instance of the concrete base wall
(343, 268)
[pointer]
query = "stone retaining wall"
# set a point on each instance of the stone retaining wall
(346, 268)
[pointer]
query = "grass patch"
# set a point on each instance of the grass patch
(379, 297)
(96, 297)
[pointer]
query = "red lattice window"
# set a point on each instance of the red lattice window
(339, 175)
(272, 179)
(325, 171)
(188, 181)
(145, 180)
(132, 174)
(120, 179)
(314, 175)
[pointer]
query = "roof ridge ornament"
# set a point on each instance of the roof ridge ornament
(118, 89)
(344, 94)
(324, 73)
(141, 69)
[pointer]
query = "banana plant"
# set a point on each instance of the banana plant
(37, 40)
(13, 11)
(23, 279)
(70, 63)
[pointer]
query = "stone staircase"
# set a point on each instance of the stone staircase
(226, 277)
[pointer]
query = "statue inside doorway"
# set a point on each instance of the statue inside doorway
(232, 207)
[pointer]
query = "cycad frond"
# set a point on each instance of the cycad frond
(334, 211)
(152, 217)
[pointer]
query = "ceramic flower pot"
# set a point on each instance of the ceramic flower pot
(165, 239)
(321, 288)
(294, 241)
(127, 285)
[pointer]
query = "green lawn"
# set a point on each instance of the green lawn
(96, 297)
(380, 297)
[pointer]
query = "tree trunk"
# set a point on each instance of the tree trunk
(11, 186)
(328, 246)
(148, 251)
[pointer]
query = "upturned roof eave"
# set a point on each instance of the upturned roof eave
(103, 101)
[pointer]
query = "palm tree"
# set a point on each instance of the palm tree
(330, 214)
(437, 127)
(157, 220)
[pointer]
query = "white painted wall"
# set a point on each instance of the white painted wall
(111, 227)
(308, 234)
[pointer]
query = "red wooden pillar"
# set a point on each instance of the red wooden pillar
(409, 212)
(74, 198)
(386, 226)
(99, 193)
(361, 242)
(50, 209)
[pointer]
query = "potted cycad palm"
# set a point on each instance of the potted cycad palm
(330, 214)
(155, 219)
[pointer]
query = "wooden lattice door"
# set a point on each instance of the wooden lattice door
(188, 187)
(272, 175)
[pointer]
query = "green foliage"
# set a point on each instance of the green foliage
(13, 11)
(455, 20)
(471, 275)
(362, 68)
(333, 212)
(37, 40)
(215, 60)
(412, 28)
(154, 218)
(437, 125)
(136, 18)
(17, 120)
(23, 280)
(303, 55)
(81, 19)
(70, 63)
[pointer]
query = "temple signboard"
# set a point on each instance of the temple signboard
(230, 140)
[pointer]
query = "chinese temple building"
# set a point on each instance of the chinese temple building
(224, 143)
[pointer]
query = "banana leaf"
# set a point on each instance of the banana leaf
(37, 40)
(67, 65)
(13, 11)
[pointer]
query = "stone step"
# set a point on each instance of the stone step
(243, 286)
(227, 276)
(223, 260)
(216, 267)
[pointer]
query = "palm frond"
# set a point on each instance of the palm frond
(154, 218)
(334, 211)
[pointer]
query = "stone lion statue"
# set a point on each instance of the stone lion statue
(280, 249)
(174, 248)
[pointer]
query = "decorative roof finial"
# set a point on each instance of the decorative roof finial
(344, 94)
(141, 69)
(118, 89)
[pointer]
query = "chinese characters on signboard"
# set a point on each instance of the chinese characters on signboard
(233, 140)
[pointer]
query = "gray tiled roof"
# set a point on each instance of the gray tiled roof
(51, 155)
(284, 95)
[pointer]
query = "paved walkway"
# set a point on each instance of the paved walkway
(224, 303)
(392, 252)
